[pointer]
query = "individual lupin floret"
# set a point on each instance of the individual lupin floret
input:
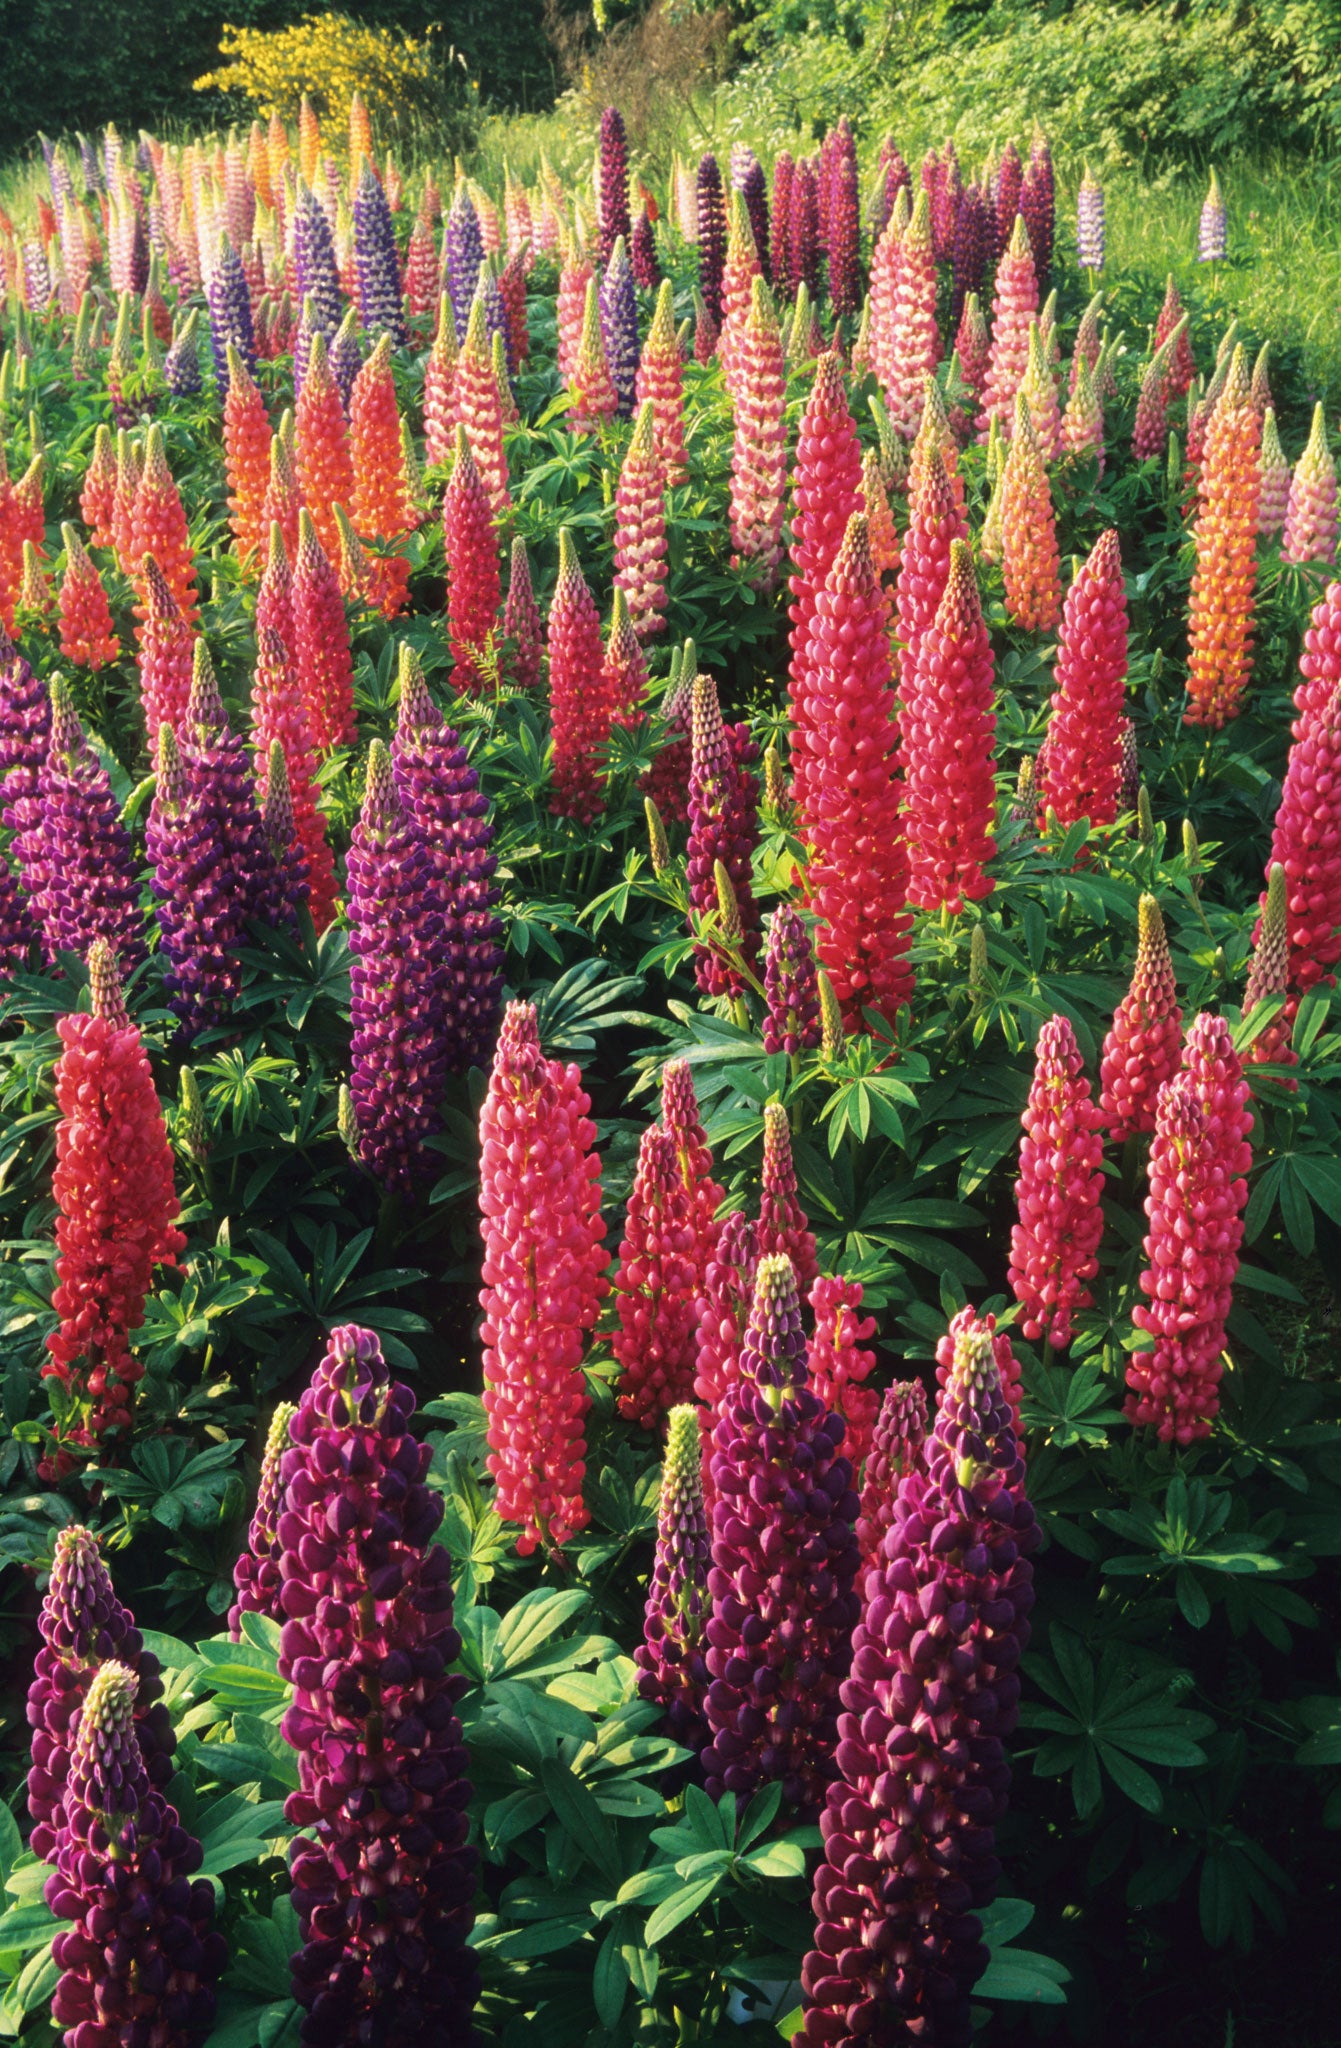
(1144, 1042)
(1054, 1245)
(367, 1644)
(671, 1666)
(542, 1273)
(784, 1558)
(922, 1777)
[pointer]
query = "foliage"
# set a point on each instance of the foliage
(327, 58)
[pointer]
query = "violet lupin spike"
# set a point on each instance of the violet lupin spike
(619, 327)
(381, 304)
(670, 1661)
(126, 1862)
(78, 865)
(368, 1643)
(229, 298)
(784, 1558)
(791, 985)
(316, 275)
(464, 257)
(923, 1777)
(82, 1624)
(256, 1577)
(440, 790)
(397, 973)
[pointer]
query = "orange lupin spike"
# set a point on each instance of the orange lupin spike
(382, 508)
(325, 464)
(158, 528)
(98, 495)
(1220, 616)
(360, 138)
(87, 638)
(246, 427)
(309, 142)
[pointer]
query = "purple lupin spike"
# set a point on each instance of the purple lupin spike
(381, 305)
(613, 223)
(969, 257)
(143, 1937)
(922, 1772)
(784, 1558)
(316, 275)
(671, 1665)
(181, 364)
(368, 1644)
(82, 1624)
(711, 234)
(441, 794)
(619, 327)
(229, 298)
(397, 977)
(77, 863)
(791, 985)
(463, 251)
(643, 254)
(747, 178)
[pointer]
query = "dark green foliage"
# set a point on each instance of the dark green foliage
(77, 64)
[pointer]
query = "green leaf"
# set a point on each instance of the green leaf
(610, 1980)
(582, 1818)
(687, 1900)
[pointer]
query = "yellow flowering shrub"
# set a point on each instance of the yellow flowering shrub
(328, 57)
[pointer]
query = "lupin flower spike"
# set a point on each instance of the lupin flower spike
(1055, 1243)
(542, 1273)
(671, 1666)
(780, 1628)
